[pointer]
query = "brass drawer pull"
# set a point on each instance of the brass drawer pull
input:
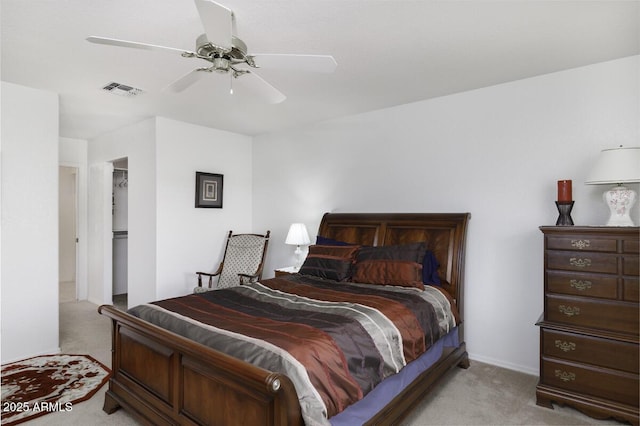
(581, 285)
(580, 244)
(565, 346)
(564, 376)
(569, 311)
(580, 263)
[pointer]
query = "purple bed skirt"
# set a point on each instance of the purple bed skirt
(363, 410)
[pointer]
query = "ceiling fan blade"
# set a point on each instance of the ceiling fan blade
(136, 45)
(312, 63)
(256, 84)
(217, 21)
(187, 80)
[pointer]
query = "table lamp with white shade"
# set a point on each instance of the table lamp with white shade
(617, 166)
(297, 236)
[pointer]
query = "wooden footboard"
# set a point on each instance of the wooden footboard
(162, 378)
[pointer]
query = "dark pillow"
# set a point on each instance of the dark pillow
(331, 262)
(325, 241)
(413, 252)
(399, 265)
(430, 267)
(389, 272)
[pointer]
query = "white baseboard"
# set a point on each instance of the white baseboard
(502, 364)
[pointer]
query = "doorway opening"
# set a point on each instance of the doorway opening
(68, 233)
(119, 210)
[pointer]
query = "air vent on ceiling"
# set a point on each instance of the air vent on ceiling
(122, 89)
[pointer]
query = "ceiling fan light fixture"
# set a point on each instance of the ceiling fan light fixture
(221, 64)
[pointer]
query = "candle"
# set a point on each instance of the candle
(564, 191)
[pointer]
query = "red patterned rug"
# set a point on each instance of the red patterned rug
(44, 384)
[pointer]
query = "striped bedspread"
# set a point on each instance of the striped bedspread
(335, 341)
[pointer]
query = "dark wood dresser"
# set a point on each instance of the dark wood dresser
(589, 329)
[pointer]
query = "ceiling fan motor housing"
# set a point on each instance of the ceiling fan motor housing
(221, 58)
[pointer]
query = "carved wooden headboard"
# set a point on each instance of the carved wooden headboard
(444, 234)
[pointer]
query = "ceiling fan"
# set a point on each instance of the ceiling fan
(229, 55)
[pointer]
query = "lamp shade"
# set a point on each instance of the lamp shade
(297, 235)
(616, 165)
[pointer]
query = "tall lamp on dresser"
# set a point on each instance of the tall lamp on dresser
(589, 353)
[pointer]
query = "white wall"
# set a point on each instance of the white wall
(192, 239)
(169, 239)
(495, 152)
(137, 143)
(29, 306)
(73, 153)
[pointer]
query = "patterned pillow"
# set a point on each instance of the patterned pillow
(391, 265)
(331, 262)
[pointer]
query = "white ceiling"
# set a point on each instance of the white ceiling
(388, 53)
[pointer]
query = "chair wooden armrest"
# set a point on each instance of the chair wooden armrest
(210, 275)
(257, 275)
(252, 277)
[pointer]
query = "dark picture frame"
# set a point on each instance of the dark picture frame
(209, 190)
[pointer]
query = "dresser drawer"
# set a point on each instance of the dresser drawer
(631, 246)
(591, 313)
(602, 286)
(631, 292)
(582, 243)
(584, 262)
(630, 265)
(591, 350)
(585, 379)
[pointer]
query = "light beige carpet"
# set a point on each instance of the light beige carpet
(480, 395)
(67, 291)
(489, 395)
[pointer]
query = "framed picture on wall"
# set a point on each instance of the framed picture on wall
(209, 190)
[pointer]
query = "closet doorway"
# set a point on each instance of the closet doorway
(120, 207)
(68, 233)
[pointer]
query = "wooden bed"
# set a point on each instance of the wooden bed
(163, 378)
